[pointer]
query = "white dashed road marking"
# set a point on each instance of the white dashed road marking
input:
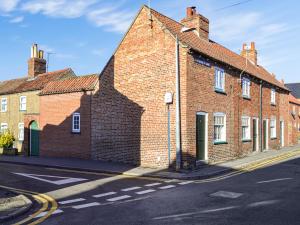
(170, 181)
(186, 182)
(104, 194)
(145, 192)
(269, 181)
(44, 213)
(167, 187)
(131, 189)
(226, 194)
(152, 185)
(72, 201)
(86, 205)
(118, 198)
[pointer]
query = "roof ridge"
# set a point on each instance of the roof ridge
(14, 79)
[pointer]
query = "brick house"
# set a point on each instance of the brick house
(20, 100)
(294, 122)
(65, 117)
(230, 105)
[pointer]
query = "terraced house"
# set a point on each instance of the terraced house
(20, 100)
(230, 106)
(294, 122)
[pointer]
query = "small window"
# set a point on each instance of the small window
(273, 96)
(4, 127)
(76, 123)
(219, 79)
(273, 128)
(246, 88)
(246, 128)
(219, 127)
(4, 105)
(23, 101)
(21, 132)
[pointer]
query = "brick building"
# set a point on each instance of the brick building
(294, 122)
(230, 105)
(65, 117)
(20, 101)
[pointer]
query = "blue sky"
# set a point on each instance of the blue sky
(84, 33)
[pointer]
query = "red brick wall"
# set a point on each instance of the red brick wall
(294, 120)
(56, 137)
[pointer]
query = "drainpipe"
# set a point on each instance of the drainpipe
(178, 119)
(261, 118)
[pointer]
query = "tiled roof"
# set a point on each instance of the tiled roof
(292, 99)
(295, 89)
(77, 84)
(215, 50)
(38, 83)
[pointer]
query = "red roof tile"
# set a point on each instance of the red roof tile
(215, 50)
(7, 87)
(77, 84)
(292, 99)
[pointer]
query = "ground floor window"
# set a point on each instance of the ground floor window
(246, 128)
(21, 132)
(273, 127)
(4, 127)
(219, 127)
(76, 123)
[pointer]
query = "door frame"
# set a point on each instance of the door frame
(282, 133)
(30, 135)
(206, 134)
(257, 133)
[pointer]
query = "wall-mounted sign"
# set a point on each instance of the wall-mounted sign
(199, 59)
(168, 98)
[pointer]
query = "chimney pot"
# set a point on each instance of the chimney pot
(250, 52)
(36, 63)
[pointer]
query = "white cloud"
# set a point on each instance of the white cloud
(97, 52)
(17, 19)
(59, 8)
(8, 5)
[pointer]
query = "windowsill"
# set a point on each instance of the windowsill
(273, 138)
(246, 140)
(246, 97)
(220, 91)
(76, 132)
(273, 104)
(23, 110)
(220, 142)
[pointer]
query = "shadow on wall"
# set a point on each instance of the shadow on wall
(116, 122)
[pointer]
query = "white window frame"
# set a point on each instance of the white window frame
(273, 129)
(246, 87)
(219, 79)
(273, 96)
(1, 127)
(223, 129)
(3, 105)
(21, 131)
(23, 105)
(75, 130)
(248, 131)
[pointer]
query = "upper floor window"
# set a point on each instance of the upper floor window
(219, 79)
(4, 127)
(3, 104)
(273, 96)
(23, 102)
(246, 87)
(273, 128)
(219, 127)
(246, 128)
(76, 123)
(21, 132)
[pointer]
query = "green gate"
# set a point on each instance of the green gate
(34, 139)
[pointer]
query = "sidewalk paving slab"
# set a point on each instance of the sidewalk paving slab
(205, 171)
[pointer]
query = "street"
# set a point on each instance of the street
(268, 195)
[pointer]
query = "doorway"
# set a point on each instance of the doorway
(201, 136)
(34, 139)
(265, 134)
(255, 134)
(282, 133)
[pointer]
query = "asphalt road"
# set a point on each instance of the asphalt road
(267, 196)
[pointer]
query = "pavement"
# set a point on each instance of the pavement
(12, 204)
(205, 171)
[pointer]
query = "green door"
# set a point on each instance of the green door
(265, 135)
(34, 139)
(254, 135)
(200, 134)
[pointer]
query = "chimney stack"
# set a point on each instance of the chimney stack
(36, 63)
(197, 21)
(250, 53)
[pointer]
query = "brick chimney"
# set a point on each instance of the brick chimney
(36, 63)
(250, 53)
(197, 21)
